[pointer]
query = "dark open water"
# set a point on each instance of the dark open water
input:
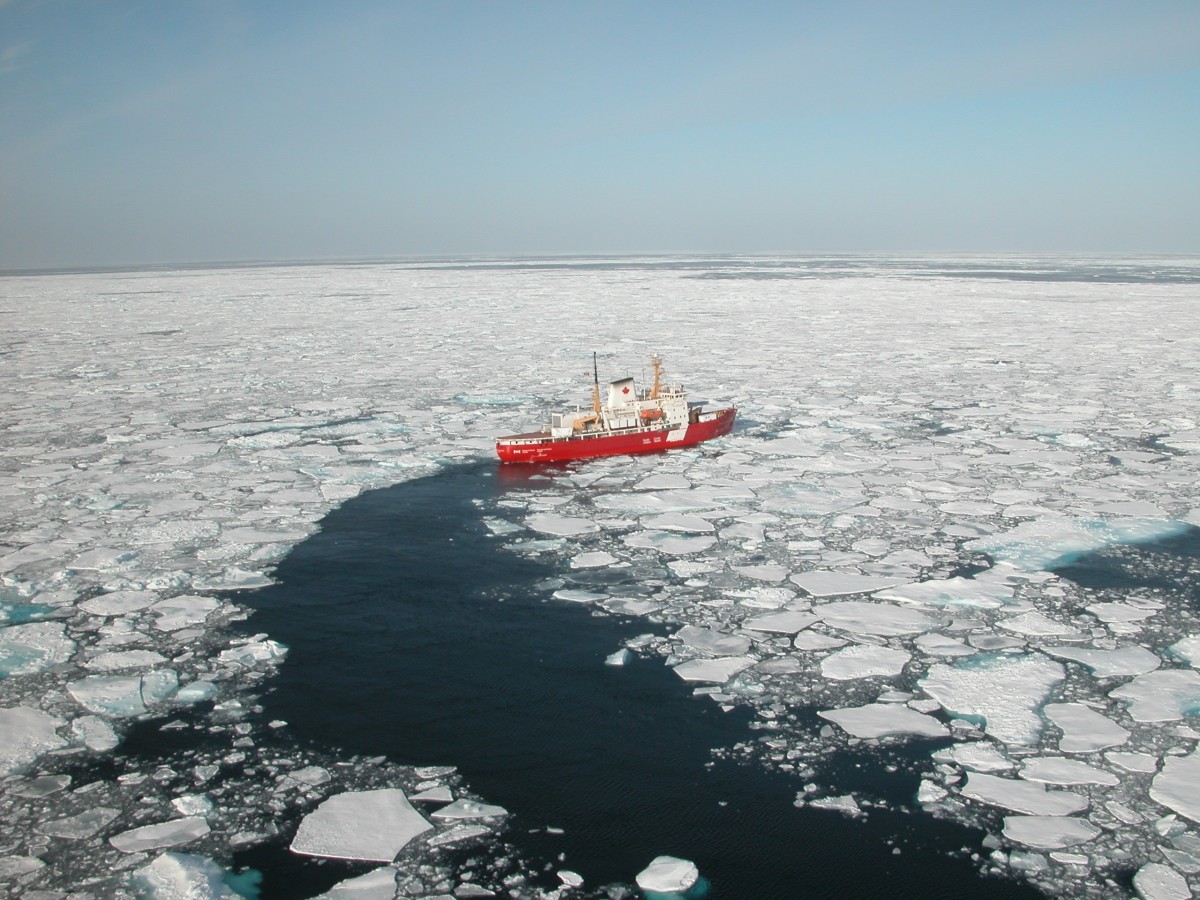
(414, 635)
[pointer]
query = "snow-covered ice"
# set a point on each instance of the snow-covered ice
(668, 875)
(877, 720)
(363, 825)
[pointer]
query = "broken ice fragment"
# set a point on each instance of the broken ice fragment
(84, 825)
(786, 622)
(1177, 786)
(1004, 691)
(1052, 770)
(1155, 881)
(1162, 696)
(706, 640)
(124, 695)
(469, 809)
(366, 825)
(668, 875)
(162, 834)
(25, 649)
(1110, 663)
(180, 875)
(717, 671)
(25, 734)
(876, 720)
(864, 661)
(1049, 832)
(1084, 730)
(879, 618)
(562, 526)
(832, 584)
(1022, 796)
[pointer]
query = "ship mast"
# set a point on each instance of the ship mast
(595, 386)
(657, 364)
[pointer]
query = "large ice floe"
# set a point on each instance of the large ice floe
(874, 559)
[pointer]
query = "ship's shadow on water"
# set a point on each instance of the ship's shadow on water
(414, 634)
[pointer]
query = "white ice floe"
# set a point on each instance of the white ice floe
(833, 584)
(982, 592)
(252, 652)
(1161, 696)
(879, 618)
(176, 876)
(118, 603)
(668, 542)
(1044, 543)
(95, 733)
(1084, 730)
(711, 642)
(1019, 796)
(1121, 662)
(1056, 770)
(1155, 881)
(668, 875)
(978, 756)
(1034, 624)
(786, 622)
(877, 720)
(184, 611)
(563, 526)
(593, 559)
(1005, 692)
(864, 661)
(124, 695)
(470, 809)
(815, 640)
(844, 804)
(1049, 832)
(373, 826)
(573, 595)
(1187, 650)
(717, 671)
(378, 884)
(161, 834)
(33, 647)
(1177, 786)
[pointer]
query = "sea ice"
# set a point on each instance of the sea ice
(815, 640)
(832, 584)
(118, 603)
(1004, 691)
(717, 671)
(562, 526)
(31, 648)
(1034, 624)
(373, 826)
(1084, 730)
(1110, 663)
(715, 643)
(161, 834)
(25, 734)
(787, 622)
(876, 720)
(668, 542)
(1054, 770)
(593, 559)
(469, 809)
(864, 661)
(1177, 786)
(668, 875)
(1049, 832)
(182, 876)
(980, 592)
(378, 884)
(1155, 881)
(124, 695)
(1188, 650)
(1026, 797)
(880, 618)
(183, 611)
(1161, 696)
(978, 756)
(1044, 543)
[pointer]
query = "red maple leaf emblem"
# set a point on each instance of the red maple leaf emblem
(625, 390)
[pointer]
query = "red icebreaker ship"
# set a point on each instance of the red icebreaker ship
(631, 422)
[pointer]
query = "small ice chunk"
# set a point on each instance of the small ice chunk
(1055, 770)
(674, 521)
(833, 584)
(979, 592)
(845, 804)
(876, 720)
(572, 595)
(1187, 650)
(561, 526)
(815, 640)
(181, 612)
(196, 691)
(767, 573)
(116, 660)
(1043, 543)
(668, 875)
(173, 876)
(935, 643)
(378, 884)
(1084, 729)
(1110, 663)
(162, 834)
(84, 825)
(118, 603)
(95, 733)
(979, 756)
(366, 825)
(124, 695)
(716, 643)
(1026, 797)
(1177, 786)
(469, 809)
(25, 649)
(569, 879)
(1133, 762)
(671, 543)
(880, 618)
(1035, 624)
(592, 560)
(864, 661)
(1162, 696)
(439, 794)
(1156, 881)
(787, 622)
(717, 671)
(192, 805)
(1005, 691)
(25, 734)
(931, 792)
(1120, 612)
(1049, 832)
(619, 658)
(253, 652)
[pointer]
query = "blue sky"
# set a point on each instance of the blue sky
(179, 130)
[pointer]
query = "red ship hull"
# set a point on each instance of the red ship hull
(538, 447)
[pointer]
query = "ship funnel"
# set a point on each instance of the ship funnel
(621, 393)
